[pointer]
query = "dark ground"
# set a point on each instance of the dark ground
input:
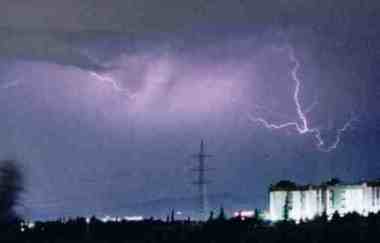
(350, 228)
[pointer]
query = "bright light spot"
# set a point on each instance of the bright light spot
(134, 218)
(245, 213)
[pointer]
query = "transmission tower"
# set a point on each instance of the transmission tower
(202, 181)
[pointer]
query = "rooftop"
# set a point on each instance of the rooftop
(286, 185)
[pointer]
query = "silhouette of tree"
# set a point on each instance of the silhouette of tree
(334, 181)
(211, 217)
(11, 185)
(350, 228)
(284, 185)
(222, 214)
(172, 217)
(257, 217)
(335, 217)
(287, 206)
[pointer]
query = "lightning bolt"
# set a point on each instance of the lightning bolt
(102, 78)
(114, 84)
(311, 107)
(303, 127)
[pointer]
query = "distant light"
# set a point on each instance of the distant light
(134, 218)
(107, 218)
(31, 225)
(245, 214)
(25, 225)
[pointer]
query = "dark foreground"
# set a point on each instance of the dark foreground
(351, 228)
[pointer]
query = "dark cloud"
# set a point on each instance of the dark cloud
(54, 30)
(43, 46)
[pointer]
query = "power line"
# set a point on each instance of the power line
(202, 181)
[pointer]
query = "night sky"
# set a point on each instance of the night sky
(104, 102)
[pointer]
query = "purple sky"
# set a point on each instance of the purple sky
(104, 103)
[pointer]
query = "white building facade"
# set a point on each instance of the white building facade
(306, 202)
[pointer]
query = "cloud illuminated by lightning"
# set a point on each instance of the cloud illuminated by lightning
(303, 127)
(114, 84)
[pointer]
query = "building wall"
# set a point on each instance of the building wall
(276, 205)
(307, 203)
